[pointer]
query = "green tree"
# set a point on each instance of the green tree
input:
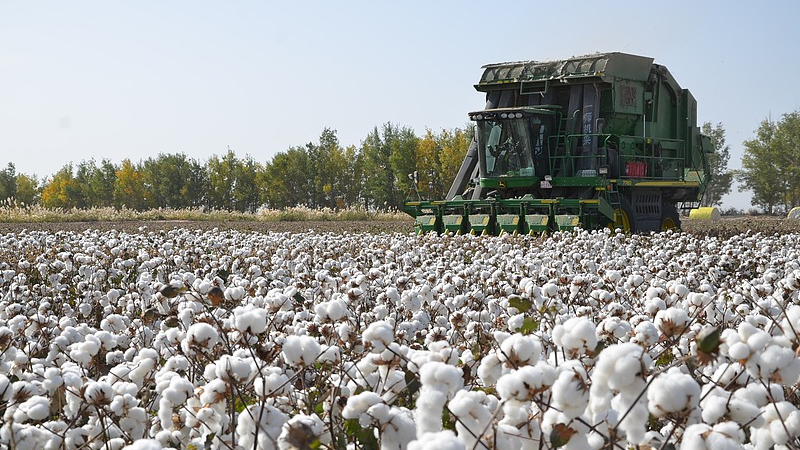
(285, 179)
(28, 191)
(771, 164)
(721, 177)
(96, 183)
(389, 155)
(173, 181)
(232, 183)
(788, 142)
(352, 182)
(8, 183)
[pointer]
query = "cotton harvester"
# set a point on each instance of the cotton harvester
(601, 140)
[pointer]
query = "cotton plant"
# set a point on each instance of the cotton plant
(179, 336)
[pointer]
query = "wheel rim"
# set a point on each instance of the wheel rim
(668, 224)
(621, 221)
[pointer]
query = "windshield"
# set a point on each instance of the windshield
(508, 146)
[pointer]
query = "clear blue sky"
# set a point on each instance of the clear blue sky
(112, 79)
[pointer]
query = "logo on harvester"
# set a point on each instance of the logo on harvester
(501, 184)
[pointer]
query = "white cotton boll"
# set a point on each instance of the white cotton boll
(179, 390)
(358, 405)
(440, 440)
(98, 393)
(782, 423)
(571, 391)
(200, 336)
(260, 423)
(398, 429)
(646, 334)
(515, 322)
(673, 394)
(440, 382)
(235, 293)
(330, 355)
(233, 368)
(490, 369)
(144, 444)
(525, 383)
(35, 408)
(550, 290)
(778, 364)
(714, 408)
(576, 336)
(739, 351)
(274, 383)
(379, 335)
(519, 350)
(250, 318)
(301, 351)
(441, 376)
(474, 411)
(725, 436)
(672, 321)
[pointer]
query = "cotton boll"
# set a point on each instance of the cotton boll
(490, 369)
(358, 405)
(673, 394)
(250, 319)
(571, 390)
(723, 436)
(440, 440)
(474, 411)
(260, 423)
(300, 351)
(440, 382)
(200, 336)
(527, 382)
(235, 369)
(35, 408)
(98, 393)
(646, 334)
(672, 321)
(782, 423)
(576, 336)
(379, 335)
(519, 350)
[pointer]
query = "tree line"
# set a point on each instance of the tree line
(321, 174)
(374, 175)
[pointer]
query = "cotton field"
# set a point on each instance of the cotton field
(223, 339)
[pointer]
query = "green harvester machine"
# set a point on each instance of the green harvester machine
(603, 140)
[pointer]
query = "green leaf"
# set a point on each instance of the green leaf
(529, 325)
(364, 437)
(171, 291)
(520, 304)
(708, 340)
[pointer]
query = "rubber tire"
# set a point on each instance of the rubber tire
(670, 219)
(624, 218)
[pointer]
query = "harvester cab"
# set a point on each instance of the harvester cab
(601, 140)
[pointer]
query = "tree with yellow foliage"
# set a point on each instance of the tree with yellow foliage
(129, 191)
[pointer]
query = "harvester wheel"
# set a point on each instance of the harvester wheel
(670, 220)
(623, 219)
